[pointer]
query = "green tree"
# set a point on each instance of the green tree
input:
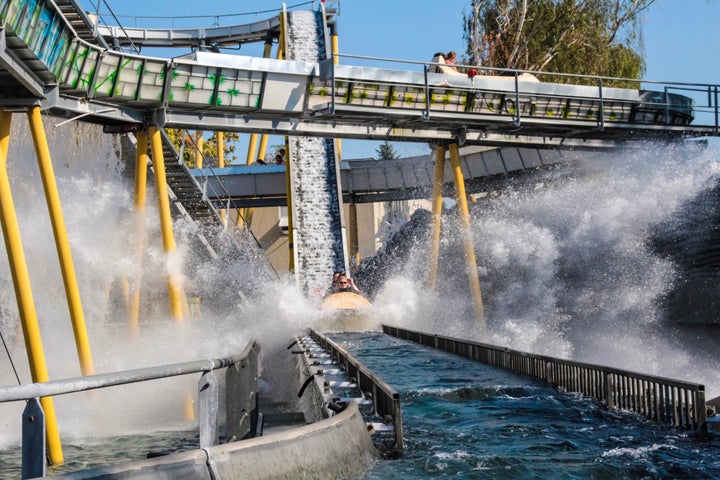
(210, 148)
(386, 151)
(584, 37)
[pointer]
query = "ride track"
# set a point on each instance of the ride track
(48, 60)
(45, 61)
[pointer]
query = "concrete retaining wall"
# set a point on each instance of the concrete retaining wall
(338, 447)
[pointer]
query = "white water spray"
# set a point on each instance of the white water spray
(568, 269)
(96, 198)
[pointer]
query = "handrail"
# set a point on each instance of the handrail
(674, 402)
(599, 80)
(226, 197)
(386, 400)
(515, 70)
(240, 418)
(135, 83)
(103, 380)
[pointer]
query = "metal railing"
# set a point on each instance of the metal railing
(241, 385)
(705, 102)
(673, 402)
(219, 194)
(386, 400)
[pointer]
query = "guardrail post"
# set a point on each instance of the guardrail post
(717, 127)
(33, 440)
(397, 421)
(426, 113)
(549, 377)
(700, 411)
(241, 398)
(516, 117)
(609, 388)
(601, 120)
(208, 399)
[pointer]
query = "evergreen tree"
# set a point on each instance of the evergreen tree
(386, 151)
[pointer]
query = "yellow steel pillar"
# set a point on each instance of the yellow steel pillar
(221, 149)
(470, 262)
(199, 154)
(141, 162)
(220, 137)
(62, 244)
(23, 294)
(281, 40)
(436, 216)
(252, 146)
(174, 289)
(353, 234)
(262, 149)
(244, 213)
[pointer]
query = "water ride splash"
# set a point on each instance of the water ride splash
(570, 266)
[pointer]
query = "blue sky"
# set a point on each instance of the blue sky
(680, 36)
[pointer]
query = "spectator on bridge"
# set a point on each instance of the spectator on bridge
(450, 58)
(445, 63)
(279, 160)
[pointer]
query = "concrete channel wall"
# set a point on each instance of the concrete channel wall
(338, 447)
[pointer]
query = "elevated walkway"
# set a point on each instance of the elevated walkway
(368, 181)
(50, 63)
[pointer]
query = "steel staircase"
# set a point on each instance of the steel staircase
(187, 198)
(80, 21)
(184, 187)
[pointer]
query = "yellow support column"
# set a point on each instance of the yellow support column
(220, 149)
(436, 216)
(52, 197)
(353, 234)
(262, 149)
(220, 136)
(199, 154)
(24, 296)
(252, 146)
(247, 212)
(174, 289)
(470, 262)
(141, 162)
(288, 164)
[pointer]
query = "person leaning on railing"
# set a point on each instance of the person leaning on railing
(442, 64)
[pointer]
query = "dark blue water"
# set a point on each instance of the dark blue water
(464, 419)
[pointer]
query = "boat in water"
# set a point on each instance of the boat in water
(347, 312)
(345, 301)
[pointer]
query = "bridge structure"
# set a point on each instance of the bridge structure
(55, 60)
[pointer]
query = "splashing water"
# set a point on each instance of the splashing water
(568, 268)
(95, 192)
